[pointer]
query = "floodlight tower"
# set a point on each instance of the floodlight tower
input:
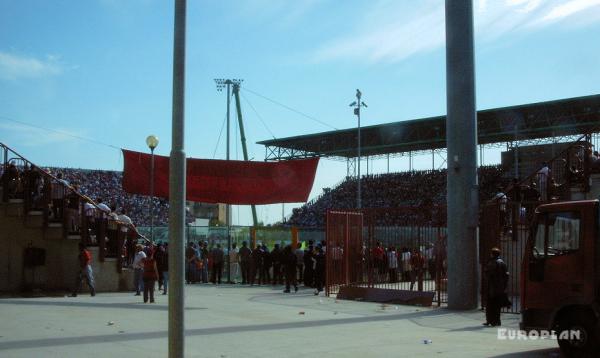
(222, 83)
(357, 104)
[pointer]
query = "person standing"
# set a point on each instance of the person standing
(245, 255)
(234, 262)
(190, 263)
(392, 260)
(309, 266)
(217, 256)
(85, 271)
(266, 265)
(276, 260)
(150, 275)
(496, 274)
(417, 264)
(319, 271)
(379, 260)
(289, 262)
(204, 257)
(543, 177)
(300, 261)
(257, 257)
(57, 195)
(138, 269)
(162, 265)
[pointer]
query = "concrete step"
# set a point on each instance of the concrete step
(54, 231)
(34, 218)
(14, 207)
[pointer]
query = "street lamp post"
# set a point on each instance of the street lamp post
(357, 104)
(152, 142)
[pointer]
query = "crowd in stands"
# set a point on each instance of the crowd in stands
(97, 185)
(405, 189)
(107, 185)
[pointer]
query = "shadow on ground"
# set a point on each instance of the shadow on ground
(138, 305)
(123, 336)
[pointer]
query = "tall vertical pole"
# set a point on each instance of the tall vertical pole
(461, 129)
(177, 190)
(152, 195)
(388, 163)
(359, 199)
(516, 149)
(228, 207)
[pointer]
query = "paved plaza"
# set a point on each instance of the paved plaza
(235, 321)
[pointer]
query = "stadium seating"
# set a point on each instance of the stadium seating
(415, 188)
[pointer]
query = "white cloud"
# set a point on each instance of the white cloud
(389, 41)
(569, 8)
(391, 31)
(15, 67)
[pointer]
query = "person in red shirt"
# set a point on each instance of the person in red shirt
(150, 275)
(379, 260)
(85, 271)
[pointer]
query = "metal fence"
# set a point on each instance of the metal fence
(267, 235)
(398, 249)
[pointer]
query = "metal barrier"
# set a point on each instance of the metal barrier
(61, 203)
(505, 221)
(400, 249)
(505, 226)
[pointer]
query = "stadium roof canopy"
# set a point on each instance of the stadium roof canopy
(560, 118)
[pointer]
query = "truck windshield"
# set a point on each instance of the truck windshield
(557, 235)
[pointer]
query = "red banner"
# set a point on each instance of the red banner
(222, 181)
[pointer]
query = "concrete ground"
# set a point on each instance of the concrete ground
(234, 321)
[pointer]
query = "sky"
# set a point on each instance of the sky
(80, 79)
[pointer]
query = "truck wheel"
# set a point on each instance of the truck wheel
(577, 336)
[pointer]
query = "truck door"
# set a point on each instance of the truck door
(558, 265)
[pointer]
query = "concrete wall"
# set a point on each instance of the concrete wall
(17, 232)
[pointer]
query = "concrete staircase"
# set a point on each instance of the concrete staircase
(20, 230)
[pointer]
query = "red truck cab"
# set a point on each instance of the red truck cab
(560, 276)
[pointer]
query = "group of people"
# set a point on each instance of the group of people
(408, 265)
(150, 266)
(28, 182)
(425, 188)
(283, 264)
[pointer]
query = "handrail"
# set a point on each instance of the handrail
(68, 186)
(529, 178)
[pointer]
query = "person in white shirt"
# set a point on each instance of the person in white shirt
(299, 261)
(542, 176)
(101, 221)
(138, 269)
(57, 194)
(392, 260)
(406, 264)
(234, 262)
(89, 211)
(126, 220)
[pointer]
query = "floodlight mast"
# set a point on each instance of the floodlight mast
(357, 104)
(222, 83)
(238, 106)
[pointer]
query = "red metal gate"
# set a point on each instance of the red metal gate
(401, 249)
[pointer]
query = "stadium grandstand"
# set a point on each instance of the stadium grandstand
(556, 124)
(106, 185)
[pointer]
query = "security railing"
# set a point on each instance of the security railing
(63, 206)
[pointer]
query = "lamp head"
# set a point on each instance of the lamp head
(152, 142)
